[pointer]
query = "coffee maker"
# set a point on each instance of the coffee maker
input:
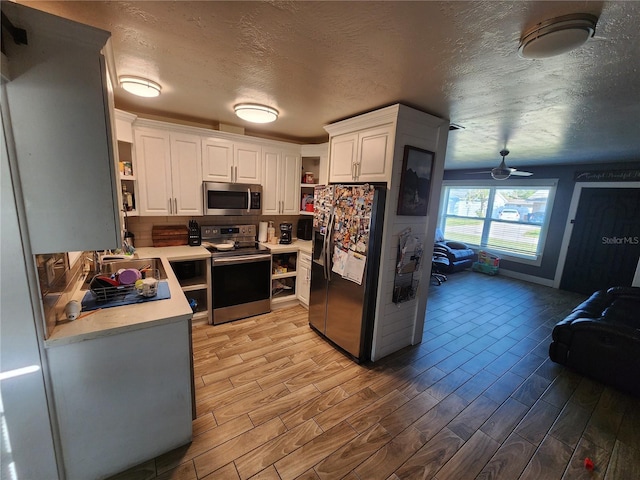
(286, 233)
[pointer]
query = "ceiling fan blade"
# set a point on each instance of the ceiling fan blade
(521, 174)
(477, 173)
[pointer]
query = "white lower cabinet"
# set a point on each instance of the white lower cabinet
(281, 182)
(122, 399)
(170, 171)
(303, 278)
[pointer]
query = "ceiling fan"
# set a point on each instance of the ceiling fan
(502, 172)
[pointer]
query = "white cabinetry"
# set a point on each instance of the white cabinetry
(361, 148)
(315, 161)
(138, 409)
(128, 179)
(281, 184)
(365, 156)
(194, 276)
(225, 160)
(170, 171)
(60, 134)
(303, 278)
(283, 275)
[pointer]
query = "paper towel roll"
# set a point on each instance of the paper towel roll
(262, 232)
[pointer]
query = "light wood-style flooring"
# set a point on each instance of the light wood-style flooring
(477, 399)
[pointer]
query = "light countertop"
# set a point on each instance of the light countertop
(295, 245)
(116, 320)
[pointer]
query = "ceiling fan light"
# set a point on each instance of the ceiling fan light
(142, 87)
(557, 35)
(499, 174)
(256, 113)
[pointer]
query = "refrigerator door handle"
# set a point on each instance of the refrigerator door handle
(328, 253)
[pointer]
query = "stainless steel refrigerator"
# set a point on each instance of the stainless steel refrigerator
(347, 239)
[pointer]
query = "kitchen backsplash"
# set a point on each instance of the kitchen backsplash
(141, 227)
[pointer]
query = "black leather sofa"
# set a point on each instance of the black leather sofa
(459, 255)
(600, 338)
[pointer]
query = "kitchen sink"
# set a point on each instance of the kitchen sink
(110, 267)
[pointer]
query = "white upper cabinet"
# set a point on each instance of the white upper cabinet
(365, 156)
(247, 163)
(170, 171)
(229, 161)
(375, 154)
(186, 174)
(291, 175)
(281, 185)
(361, 148)
(343, 157)
(217, 160)
(58, 123)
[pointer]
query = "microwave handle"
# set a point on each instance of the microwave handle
(248, 200)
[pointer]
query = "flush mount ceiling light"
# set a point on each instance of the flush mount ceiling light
(143, 87)
(256, 113)
(557, 36)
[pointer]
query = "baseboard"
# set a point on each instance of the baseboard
(527, 278)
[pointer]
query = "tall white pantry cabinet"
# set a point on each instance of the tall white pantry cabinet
(57, 153)
(57, 104)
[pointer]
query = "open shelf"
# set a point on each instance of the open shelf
(197, 283)
(283, 275)
(194, 281)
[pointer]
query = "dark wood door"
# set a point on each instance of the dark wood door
(605, 243)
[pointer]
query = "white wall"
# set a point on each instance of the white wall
(28, 446)
(400, 325)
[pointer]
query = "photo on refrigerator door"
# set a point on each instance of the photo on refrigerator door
(415, 181)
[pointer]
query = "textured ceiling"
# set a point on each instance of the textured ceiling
(318, 62)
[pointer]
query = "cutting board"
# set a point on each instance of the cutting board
(169, 235)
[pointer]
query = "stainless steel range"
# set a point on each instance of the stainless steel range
(240, 272)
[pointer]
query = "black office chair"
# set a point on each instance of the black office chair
(459, 255)
(439, 263)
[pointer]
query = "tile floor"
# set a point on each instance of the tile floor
(477, 399)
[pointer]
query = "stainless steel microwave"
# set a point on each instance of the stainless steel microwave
(232, 199)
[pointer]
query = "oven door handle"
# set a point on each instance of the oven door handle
(241, 259)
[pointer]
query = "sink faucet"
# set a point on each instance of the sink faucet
(96, 262)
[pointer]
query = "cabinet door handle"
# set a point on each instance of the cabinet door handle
(358, 170)
(170, 207)
(232, 180)
(175, 202)
(236, 179)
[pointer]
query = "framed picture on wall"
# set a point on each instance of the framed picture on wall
(415, 181)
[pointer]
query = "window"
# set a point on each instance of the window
(510, 220)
